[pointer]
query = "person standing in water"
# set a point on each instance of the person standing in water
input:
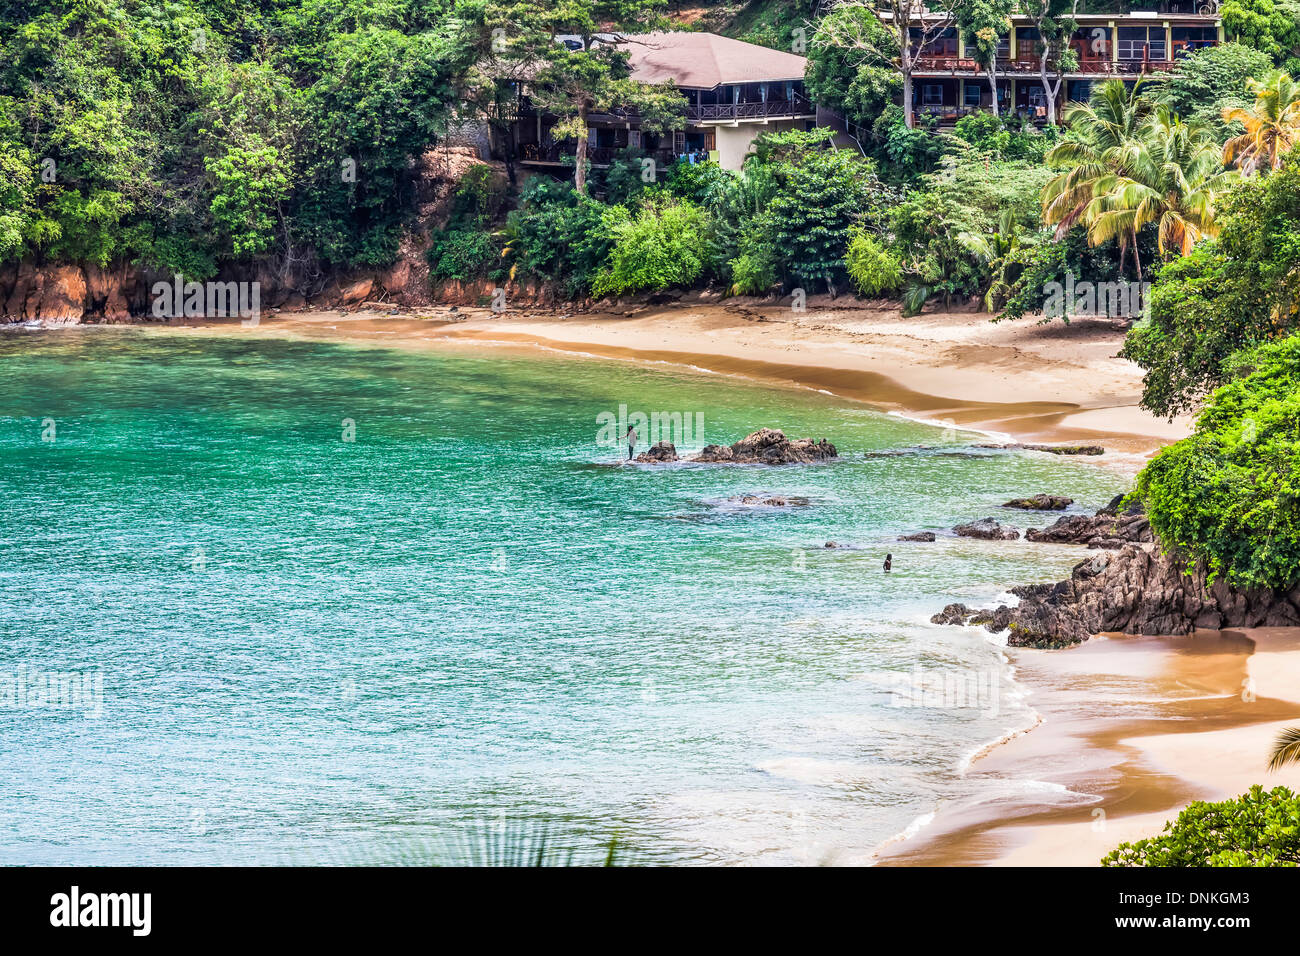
(889, 561)
(631, 441)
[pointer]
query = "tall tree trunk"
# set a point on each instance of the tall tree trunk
(1048, 92)
(993, 80)
(907, 97)
(580, 155)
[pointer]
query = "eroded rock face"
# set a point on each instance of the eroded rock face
(1133, 591)
(659, 452)
(988, 529)
(769, 446)
(1096, 531)
(919, 536)
(1040, 502)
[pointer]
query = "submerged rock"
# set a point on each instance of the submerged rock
(1051, 449)
(768, 446)
(1040, 502)
(919, 536)
(770, 501)
(988, 529)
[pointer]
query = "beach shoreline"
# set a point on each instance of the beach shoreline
(1022, 382)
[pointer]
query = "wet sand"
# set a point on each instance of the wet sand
(1132, 730)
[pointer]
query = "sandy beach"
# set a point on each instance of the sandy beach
(1131, 728)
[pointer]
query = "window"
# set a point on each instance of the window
(1186, 40)
(1079, 90)
(1142, 43)
(932, 94)
(972, 95)
(1036, 96)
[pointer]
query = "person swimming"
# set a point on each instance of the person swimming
(889, 561)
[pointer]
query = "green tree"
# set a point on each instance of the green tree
(661, 248)
(1229, 494)
(587, 74)
(1230, 294)
(1210, 80)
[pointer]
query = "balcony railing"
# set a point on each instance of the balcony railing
(795, 106)
(1030, 66)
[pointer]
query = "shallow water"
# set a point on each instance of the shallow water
(315, 649)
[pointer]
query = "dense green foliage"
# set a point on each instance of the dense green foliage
(1211, 80)
(1230, 493)
(1227, 295)
(1259, 828)
(661, 248)
(195, 133)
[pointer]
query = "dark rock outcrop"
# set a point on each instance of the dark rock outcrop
(658, 452)
(1133, 591)
(1051, 449)
(768, 446)
(919, 536)
(1105, 529)
(988, 529)
(1040, 502)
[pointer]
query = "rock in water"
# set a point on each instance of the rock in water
(952, 614)
(919, 536)
(769, 446)
(1040, 502)
(988, 529)
(662, 451)
(1105, 529)
(1133, 591)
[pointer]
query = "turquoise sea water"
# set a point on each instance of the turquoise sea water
(319, 650)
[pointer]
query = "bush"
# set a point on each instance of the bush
(1230, 493)
(560, 236)
(873, 269)
(663, 247)
(1258, 828)
(461, 254)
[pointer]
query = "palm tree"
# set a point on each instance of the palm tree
(1171, 177)
(1100, 130)
(1272, 126)
(1286, 750)
(1133, 164)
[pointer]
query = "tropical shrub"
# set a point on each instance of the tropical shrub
(872, 267)
(1259, 828)
(662, 247)
(558, 235)
(1230, 493)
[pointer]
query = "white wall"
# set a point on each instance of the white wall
(734, 141)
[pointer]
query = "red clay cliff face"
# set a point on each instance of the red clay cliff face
(53, 295)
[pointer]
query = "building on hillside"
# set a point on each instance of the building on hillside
(734, 91)
(948, 84)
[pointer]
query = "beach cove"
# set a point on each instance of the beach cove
(818, 776)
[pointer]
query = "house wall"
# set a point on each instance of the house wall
(734, 141)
